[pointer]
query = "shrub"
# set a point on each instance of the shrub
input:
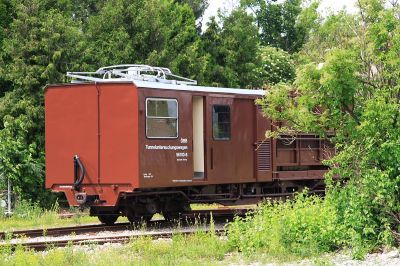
(304, 226)
(276, 66)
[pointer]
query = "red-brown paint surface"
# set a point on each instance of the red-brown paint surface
(232, 160)
(71, 129)
(99, 123)
(119, 154)
(159, 167)
(227, 161)
(263, 145)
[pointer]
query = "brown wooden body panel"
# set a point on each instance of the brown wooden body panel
(264, 147)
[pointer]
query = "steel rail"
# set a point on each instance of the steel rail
(59, 231)
(96, 228)
(123, 239)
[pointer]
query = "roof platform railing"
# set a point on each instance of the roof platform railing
(130, 72)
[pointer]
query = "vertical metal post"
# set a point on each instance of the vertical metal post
(9, 197)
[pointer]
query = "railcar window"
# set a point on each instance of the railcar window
(221, 117)
(161, 118)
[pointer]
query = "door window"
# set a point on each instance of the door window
(221, 117)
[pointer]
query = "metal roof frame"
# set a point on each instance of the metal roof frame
(145, 76)
(131, 72)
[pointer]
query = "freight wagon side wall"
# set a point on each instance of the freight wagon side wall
(99, 123)
(168, 162)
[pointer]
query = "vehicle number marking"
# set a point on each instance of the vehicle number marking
(148, 175)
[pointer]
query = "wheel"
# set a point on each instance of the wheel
(136, 218)
(108, 219)
(171, 216)
(174, 208)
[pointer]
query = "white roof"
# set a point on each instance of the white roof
(163, 86)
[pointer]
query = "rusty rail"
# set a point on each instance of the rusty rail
(53, 243)
(217, 214)
(59, 231)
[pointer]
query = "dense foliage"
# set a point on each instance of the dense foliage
(355, 93)
(284, 24)
(231, 50)
(304, 226)
(42, 40)
(276, 66)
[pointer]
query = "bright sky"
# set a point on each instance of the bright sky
(334, 5)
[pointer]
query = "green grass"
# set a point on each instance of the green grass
(277, 232)
(198, 249)
(31, 216)
(44, 220)
(197, 206)
(214, 206)
(305, 227)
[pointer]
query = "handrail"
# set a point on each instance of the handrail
(131, 72)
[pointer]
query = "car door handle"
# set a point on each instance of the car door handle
(212, 158)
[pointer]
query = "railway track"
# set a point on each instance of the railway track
(100, 240)
(217, 214)
(86, 234)
(59, 231)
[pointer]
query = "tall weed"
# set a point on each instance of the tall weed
(365, 209)
(304, 226)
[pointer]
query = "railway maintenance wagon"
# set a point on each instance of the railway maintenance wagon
(136, 140)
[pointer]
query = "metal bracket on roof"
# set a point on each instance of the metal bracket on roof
(130, 72)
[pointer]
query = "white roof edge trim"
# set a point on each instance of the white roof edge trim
(157, 85)
(163, 86)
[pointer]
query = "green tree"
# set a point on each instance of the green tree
(216, 75)
(339, 30)
(181, 50)
(46, 39)
(276, 66)
(286, 24)
(355, 93)
(198, 6)
(157, 32)
(78, 10)
(6, 16)
(232, 51)
(41, 46)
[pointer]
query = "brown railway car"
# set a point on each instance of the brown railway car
(134, 142)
